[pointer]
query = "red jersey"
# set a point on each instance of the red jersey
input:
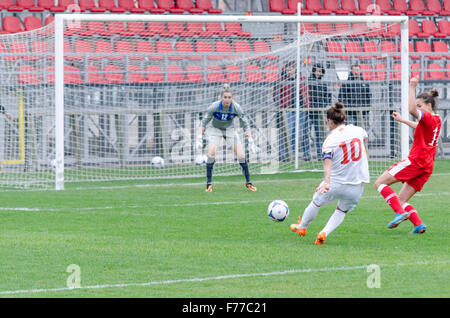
(426, 136)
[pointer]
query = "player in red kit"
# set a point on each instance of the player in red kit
(414, 171)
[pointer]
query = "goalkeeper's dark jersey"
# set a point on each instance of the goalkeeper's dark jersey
(222, 118)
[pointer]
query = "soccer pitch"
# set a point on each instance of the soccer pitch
(168, 238)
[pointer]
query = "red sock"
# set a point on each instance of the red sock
(391, 198)
(413, 216)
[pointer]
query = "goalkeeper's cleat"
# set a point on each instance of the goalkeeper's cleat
(419, 229)
(321, 238)
(208, 188)
(296, 228)
(399, 218)
(251, 187)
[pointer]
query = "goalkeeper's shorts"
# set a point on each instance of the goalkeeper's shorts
(217, 136)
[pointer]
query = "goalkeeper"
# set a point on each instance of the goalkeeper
(220, 116)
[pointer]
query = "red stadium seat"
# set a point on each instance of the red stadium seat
(387, 48)
(195, 28)
(280, 6)
(350, 6)
(418, 6)
(402, 7)
(125, 47)
(448, 70)
(366, 7)
(175, 74)
(21, 51)
(41, 47)
(29, 5)
(366, 72)
(204, 47)
(232, 73)
(308, 28)
(31, 23)
(253, 74)
(236, 29)
(149, 6)
(165, 48)
(28, 75)
(214, 73)
(145, 47)
(440, 47)
(342, 28)
(396, 74)
(260, 46)
(380, 72)
(105, 47)
(12, 24)
(428, 29)
(194, 73)
(110, 5)
(415, 70)
(188, 5)
(215, 28)
(71, 75)
(83, 47)
(169, 5)
(385, 7)
(434, 6)
(353, 47)
(129, 6)
(312, 6)
(94, 75)
(324, 28)
(119, 28)
(186, 47)
(154, 74)
(270, 73)
(443, 28)
(423, 47)
(96, 28)
(393, 30)
(223, 47)
(174, 28)
(10, 6)
(372, 48)
(206, 5)
(413, 27)
(89, 5)
(335, 47)
(242, 47)
(435, 72)
(138, 28)
(135, 74)
(156, 28)
(113, 74)
(333, 6)
(446, 7)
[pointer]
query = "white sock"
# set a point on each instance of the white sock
(309, 215)
(335, 220)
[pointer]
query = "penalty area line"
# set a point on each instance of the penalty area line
(212, 278)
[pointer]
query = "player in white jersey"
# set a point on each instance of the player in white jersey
(345, 170)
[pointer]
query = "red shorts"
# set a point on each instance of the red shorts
(409, 172)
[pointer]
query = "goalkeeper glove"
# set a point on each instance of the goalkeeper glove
(253, 148)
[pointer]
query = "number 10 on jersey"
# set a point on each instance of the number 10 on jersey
(354, 156)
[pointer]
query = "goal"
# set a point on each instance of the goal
(98, 96)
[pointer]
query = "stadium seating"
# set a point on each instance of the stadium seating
(232, 73)
(435, 72)
(28, 75)
(385, 7)
(169, 5)
(31, 23)
(333, 6)
(271, 73)
(29, 5)
(335, 47)
(280, 6)
(214, 73)
(419, 7)
(154, 74)
(350, 6)
(253, 74)
(206, 5)
(175, 74)
(440, 47)
(185, 47)
(311, 7)
(402, 7)
(135, 74)
(188, 6)
(371, 48)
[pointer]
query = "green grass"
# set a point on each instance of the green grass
(164, 230)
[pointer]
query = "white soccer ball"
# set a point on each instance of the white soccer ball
(157, 162)
(201, 160)
(278, 211)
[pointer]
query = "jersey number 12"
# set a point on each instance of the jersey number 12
(353, 156)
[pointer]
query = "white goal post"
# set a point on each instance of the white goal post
(295, 21)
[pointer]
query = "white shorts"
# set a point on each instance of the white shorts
(348, 196)
(216, 136)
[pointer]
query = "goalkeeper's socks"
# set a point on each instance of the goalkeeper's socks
(391, 198)
(209, 172)
(244, 166)
(413, 216)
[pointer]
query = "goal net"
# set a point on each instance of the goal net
(136, 87)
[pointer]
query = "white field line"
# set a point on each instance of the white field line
(175, 205)
(212, 278)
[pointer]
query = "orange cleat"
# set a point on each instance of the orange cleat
(208, 188)
(296, 228)
(251, 187)
(321, 238)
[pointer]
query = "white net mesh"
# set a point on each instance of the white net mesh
(137, 90)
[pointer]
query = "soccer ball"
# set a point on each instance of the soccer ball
(157, 162)
(200, 160)
(278, 211)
